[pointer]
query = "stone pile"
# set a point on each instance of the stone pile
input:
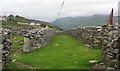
(37, 38)
(91, 36)
(111, 46)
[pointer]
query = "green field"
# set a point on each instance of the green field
(62, 52)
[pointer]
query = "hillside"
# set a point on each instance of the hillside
(71, 22)
(12, 20)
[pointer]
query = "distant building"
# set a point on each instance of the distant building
(22, 23)
(37, 24)
(32, 24)
(47, 27)
(3, 18)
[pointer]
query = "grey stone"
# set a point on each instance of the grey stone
(36, 38)
(115, 51)
(111, 69)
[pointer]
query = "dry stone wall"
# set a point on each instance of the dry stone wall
(37, 38)
(18, 31)
(91, 36)
(111, 46)
(105, 37)
(5, 48)
(1, 48)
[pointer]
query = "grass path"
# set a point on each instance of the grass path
(63, 52)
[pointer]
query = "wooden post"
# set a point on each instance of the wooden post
(110, 20)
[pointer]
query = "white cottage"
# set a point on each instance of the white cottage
(32, 24)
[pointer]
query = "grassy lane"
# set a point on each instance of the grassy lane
(63, 52)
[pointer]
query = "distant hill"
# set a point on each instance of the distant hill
(12, 20)
(71, 22)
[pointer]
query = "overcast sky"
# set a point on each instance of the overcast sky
(47, 10)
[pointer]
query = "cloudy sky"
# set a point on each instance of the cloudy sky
(47, 10)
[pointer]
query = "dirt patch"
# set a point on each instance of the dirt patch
(24, 66)
(98, 67)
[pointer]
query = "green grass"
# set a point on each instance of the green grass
(17, 45)
(7, 23)
(12, 66)
(63, 52)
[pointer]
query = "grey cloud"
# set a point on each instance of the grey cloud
(47, 9)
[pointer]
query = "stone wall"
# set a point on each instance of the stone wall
(5, 47)
(1, 47)
(106, 37)
(111, 46)
(37, 38)
(91, 36)
(18, 31)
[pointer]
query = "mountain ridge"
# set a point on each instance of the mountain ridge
(72, 22)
